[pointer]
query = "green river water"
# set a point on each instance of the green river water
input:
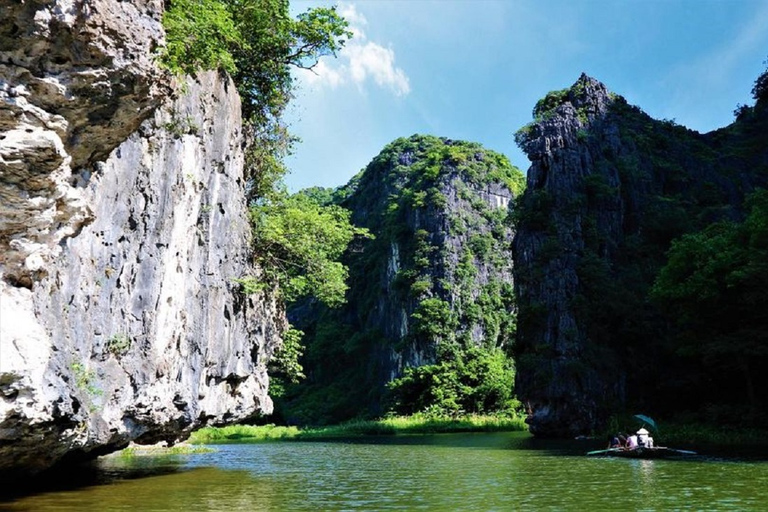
(504, 471)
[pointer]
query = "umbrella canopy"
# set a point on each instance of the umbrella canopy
(647, 420)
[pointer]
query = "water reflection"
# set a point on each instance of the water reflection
(103, 471)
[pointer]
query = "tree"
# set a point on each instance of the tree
(715, 289)
(298, 243)
(257, 42)
(474, 380)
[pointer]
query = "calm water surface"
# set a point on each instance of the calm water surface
(506, 471)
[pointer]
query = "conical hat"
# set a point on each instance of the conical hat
(642, 432)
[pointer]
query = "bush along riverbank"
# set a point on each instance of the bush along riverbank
(720, 436)
(390, 426)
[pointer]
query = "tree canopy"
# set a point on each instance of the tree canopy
(715, 289)
(298, 243)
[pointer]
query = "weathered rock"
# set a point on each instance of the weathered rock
(138, 333)
(76, 78)
(122, 224)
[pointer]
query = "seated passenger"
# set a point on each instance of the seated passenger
(632, 442)
(642, 437)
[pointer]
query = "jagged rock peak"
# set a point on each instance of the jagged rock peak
(560, 116)
(591, 95)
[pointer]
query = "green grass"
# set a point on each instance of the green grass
(396, 425)
(215, 435)
(154, 450)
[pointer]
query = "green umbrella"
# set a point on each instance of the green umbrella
(647, 420)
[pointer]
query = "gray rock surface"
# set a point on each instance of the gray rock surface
(546, 258)
(76, 78)
(123, 224)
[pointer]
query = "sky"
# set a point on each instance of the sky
(473, 70)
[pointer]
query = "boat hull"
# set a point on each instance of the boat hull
(642, 453)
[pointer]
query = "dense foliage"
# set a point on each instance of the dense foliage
(472, 380)
(298, 244)
(714, 287)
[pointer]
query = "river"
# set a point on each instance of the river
(504, 471)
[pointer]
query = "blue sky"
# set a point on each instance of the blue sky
(473, 70)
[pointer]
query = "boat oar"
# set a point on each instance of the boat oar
(684, 452)
(607, 450)
(676, 450)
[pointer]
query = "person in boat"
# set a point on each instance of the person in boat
(644, 439)
(614, 442)
(632, 442)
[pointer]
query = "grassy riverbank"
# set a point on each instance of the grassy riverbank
(416, 424)
(135, 450)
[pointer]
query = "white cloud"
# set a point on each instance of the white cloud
(377, 62)
(356, 20)
(359, 61)
(322, 74)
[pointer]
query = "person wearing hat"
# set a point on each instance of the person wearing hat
(643, 439)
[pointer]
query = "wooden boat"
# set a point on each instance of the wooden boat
(657, 452)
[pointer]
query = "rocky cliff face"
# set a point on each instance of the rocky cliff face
(76, 79)
(123, 224)
(608, 189)
(438, 273)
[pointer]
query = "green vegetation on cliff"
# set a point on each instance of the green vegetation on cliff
(430, 307)
(298, 244)
(258, 43)
(714, 288)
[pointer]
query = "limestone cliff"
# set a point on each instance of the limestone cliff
(123, 224)
(437, 275)
(608, 189)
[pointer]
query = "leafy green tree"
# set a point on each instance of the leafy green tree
(284, 366)
(298, 244)
(474, 380)
(715, 288)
